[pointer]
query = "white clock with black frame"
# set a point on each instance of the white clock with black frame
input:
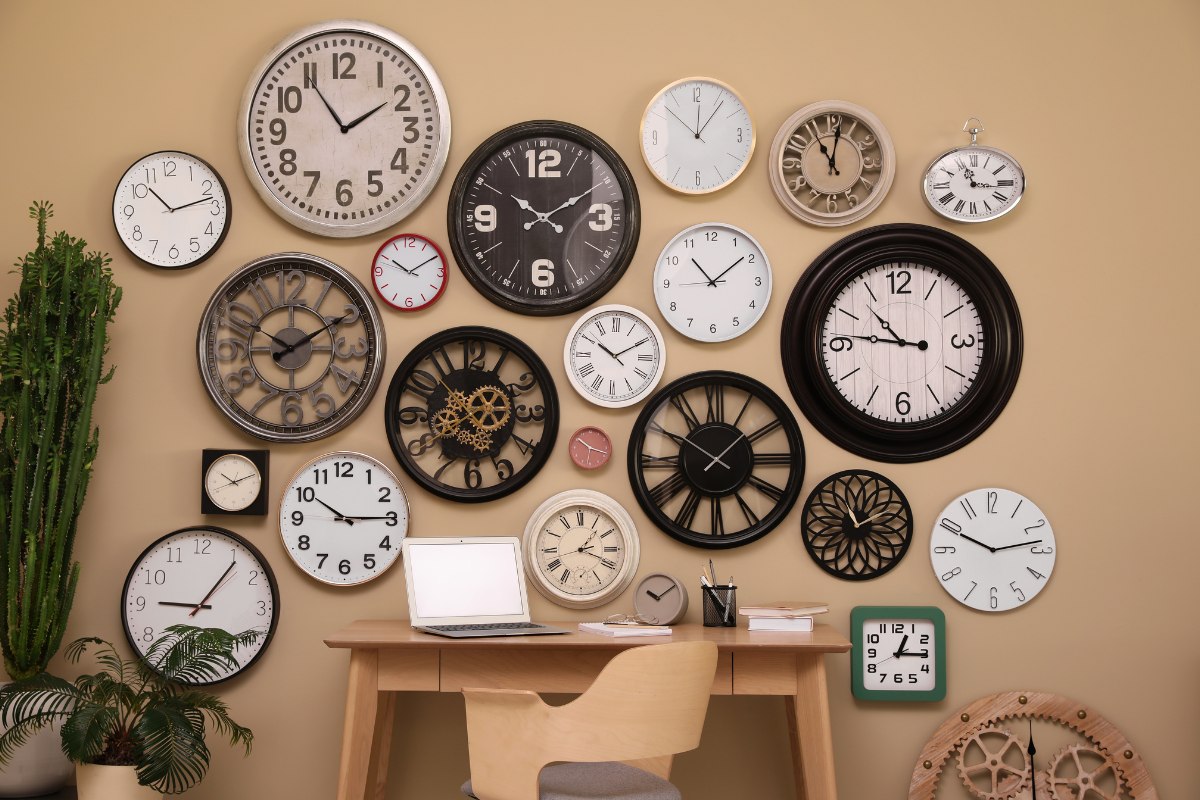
(614, 356)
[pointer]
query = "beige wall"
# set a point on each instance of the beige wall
(1097, 100)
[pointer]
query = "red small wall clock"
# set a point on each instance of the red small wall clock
(409, 272)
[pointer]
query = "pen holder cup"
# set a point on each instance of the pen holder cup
(720, 606)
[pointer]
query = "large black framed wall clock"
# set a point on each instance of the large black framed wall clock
(544, 218)
(471, 414)
(344, 128)
(716, 459)
(291, 348)
(856, 525)
(902, 343)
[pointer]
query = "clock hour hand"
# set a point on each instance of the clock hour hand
(700, 130)
(610, 352)
(711, 282)
(837, 134)
(291, 347)
(571, 202)
(900, 649)
(524, 204)
(164, 202)
(397, 264)
(976, 541)
(255, 327)
(338, 515)
(681, 440)
(350, 125)
(336, 118)
(1011, 546)
(825, 152)
(655, 596)
(883, 323)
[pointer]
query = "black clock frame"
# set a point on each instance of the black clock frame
(260, 458)
(818, 398)
(767, 396)
(809, 534)
(458, 197)
(393, 404)
(262, 560)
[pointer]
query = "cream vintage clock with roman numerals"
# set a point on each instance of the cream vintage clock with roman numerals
(832, 163)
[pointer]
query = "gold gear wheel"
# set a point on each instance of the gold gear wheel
(1005, 779)
(444, 421)
(458, 400)
(488, 408)
(1080, 784)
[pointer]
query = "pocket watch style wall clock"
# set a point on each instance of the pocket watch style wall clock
(832, 163)
(581, 549)
(856, 525)
(973, 183)
(899, 653)
(203, 576)
(171, 210)
(716, 459)
(291, 348)
(354, 139)
(471, 414)
(614, 356)
(712, 282)
(343, 517)
(234, 481)
(409, 272)
(992, 549)
(697, 135)
(661, 596)
(590, 447)
(543, 218)
(902, 343)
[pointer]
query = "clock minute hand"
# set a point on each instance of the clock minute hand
(413, 271)
(638, 344)
(336, 118)
(292, 347)
(213, 590)
(710, 116)
(193, 203)
(691, 130)
(731, 266)
(572, 201)
(837, 134)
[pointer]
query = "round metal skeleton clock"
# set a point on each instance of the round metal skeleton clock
(544, 218)
(716, 459)
(290, 348)
(614, 356)
(344, 128)
(857, 525)
(973, 183)
(471, 414)
(902, 343)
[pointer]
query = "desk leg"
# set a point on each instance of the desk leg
(810, 732)
(358, 730)
(381, 747)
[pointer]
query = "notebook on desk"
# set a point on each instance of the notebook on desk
(468, 587)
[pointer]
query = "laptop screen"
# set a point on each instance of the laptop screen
(465, 579)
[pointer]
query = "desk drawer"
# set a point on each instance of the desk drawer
(764, 673)
(546, 671)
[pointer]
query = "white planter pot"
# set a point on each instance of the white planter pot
(97, 782)
(38, 768)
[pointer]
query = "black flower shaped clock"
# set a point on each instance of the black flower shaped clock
(857, 525)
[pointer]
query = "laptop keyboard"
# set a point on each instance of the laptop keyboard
(490, 626)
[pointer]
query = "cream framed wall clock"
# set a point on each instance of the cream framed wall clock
(973, 183)
(409, 272)
(344, 128)
(581, 549)
(697, 135)
(902, 343)
(832, 163)
(544, 218)
(234, 481)
(712, 282)
(172, 209)
(899, 653)
(290, 348)
(992, 549)
(614, 356)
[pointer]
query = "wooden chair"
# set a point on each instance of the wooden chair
(646, 705)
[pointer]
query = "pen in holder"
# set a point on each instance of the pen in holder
(720, 606)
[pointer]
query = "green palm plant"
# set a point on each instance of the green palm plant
(136, 712)
(51, 361)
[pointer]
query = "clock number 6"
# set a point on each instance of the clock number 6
(542, 272)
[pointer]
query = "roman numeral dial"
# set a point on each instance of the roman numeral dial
(973, 184)
(614, 356)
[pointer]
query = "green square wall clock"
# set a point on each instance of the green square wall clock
(899, 653)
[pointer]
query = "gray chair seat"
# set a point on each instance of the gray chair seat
(607, 780)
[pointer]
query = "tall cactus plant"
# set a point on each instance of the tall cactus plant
(51, 361)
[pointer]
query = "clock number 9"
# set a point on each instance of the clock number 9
(297, 517)
(485, 218)
(839, 343)
(278, 129)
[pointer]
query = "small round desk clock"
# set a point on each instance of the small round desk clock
(232, 482)
(661, 596)
(614, 356)
(590, 447)
(973, 183)
(409, 272)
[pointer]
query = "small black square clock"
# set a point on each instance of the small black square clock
(234, 482)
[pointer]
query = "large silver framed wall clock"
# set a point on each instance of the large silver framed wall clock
(291, 348)
(344, 128)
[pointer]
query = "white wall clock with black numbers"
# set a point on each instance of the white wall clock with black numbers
(614, 356)
(712, 282)
(543, 218)
(899, 653)
(172, 210)
(992, 549)
(344, 128)
(203, 576)
(342, 518)
(973, 183)
(902, 343)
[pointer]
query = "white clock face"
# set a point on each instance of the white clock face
(697, 135)
(614, 356)
(171, 210)
(902, 343)
(343, 518)
(900, 655)
(232, 482)
(992, 549)
(973, 184)
(346, 130)
(409, 272)
(210, 568)
(712, 282)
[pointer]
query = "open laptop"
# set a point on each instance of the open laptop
(468, 587)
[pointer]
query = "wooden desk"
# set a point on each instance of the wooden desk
(388, 656)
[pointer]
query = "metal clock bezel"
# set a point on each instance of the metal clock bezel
(587, 317)
(941, 211)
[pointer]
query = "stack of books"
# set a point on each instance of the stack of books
(783, 615)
